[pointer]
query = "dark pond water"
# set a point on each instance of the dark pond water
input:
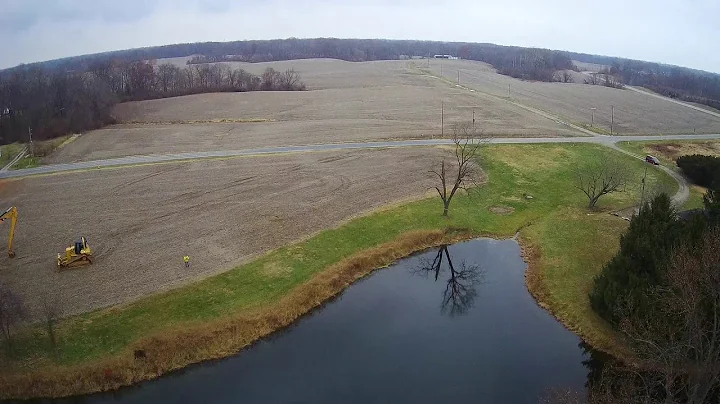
(448, 325)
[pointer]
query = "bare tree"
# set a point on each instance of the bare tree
(601, 178)
(166, 75)
(461, 287)
(562, 76)
(593, 79)
(270, 79)
(12, 311)
(51, 310)
(467, 146)
(289, 80)
(678, 336)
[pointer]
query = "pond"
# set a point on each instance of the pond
(454, 324)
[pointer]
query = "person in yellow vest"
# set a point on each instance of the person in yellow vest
(186, 260)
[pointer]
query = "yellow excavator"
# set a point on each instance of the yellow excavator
(76, 255)
(12, 214)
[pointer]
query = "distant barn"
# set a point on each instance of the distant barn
(445, 57)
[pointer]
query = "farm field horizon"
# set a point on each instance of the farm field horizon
(371, 101)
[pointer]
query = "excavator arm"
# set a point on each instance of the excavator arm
(12, 214)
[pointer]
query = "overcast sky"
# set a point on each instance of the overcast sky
(682, 32)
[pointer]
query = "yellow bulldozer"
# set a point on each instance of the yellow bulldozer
(10, 214)
(76, 255)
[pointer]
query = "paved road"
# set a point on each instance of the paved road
(161, 158)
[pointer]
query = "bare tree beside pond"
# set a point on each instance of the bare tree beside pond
(601, 177)
(463, 173)
(461, 288)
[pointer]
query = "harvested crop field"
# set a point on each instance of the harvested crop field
(635, 112)
(345, 102)
(140, 221)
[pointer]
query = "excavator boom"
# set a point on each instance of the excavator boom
(12, 214)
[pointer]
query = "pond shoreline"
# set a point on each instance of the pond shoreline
(226, 337)
(174, 349)
(534, 281)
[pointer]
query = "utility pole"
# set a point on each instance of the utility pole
(458, 77)
(440, 69)
(442, 119)
(508, 90)
(593, 116)
(612, 118)
(473, 119)
(32, 154)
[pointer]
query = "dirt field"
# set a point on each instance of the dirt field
(635, 113)
(346, 102)
(140, 221)
(374, 101)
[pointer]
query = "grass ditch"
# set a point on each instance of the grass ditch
(566, 246)
(41, 149)
(8, 152)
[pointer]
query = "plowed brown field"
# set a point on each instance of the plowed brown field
(634, 113)
(140, 221)
(345, 102)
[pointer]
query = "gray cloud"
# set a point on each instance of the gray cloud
(671, 31)
(22, 15)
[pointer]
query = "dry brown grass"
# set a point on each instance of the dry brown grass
(185, 344)
(671, 151)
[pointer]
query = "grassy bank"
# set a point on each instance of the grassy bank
(41, 149)
(220, 315)
(668, 151)
(8, 152)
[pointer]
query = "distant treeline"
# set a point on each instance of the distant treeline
(671, 81)
(56, 101)
(525, 63)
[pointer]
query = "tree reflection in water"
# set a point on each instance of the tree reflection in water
(461, 288)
